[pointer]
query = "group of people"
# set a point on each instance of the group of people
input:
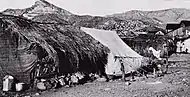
(181, 48)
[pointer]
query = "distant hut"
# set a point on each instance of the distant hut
(178, 30)
(172, 26)
(152, 30)
(185, 24)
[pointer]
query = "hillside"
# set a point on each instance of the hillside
(43, 11)
(130, 21)
(40, 7)
(160, 16)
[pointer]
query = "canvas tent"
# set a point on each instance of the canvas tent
(118, 49)
(187, 45)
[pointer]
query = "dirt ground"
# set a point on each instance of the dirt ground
(174, 84)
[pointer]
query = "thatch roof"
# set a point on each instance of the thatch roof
(66, 46)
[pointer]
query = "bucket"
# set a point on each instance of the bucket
(20, 86)
(8, 81)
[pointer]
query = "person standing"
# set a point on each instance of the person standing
(183, 48)
(122, 69)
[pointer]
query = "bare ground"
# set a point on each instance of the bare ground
(174, 84)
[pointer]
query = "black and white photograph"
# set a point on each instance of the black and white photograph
(94, 48)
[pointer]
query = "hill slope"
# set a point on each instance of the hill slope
(160, 16)
(40, 7)
(123, 23)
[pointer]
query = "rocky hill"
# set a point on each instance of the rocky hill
(39, 8)
(123, 23)
(160, 16)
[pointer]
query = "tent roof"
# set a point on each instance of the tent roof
(112, 41)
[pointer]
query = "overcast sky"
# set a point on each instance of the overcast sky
(101, 7)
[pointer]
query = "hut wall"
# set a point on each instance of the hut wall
(14, 58)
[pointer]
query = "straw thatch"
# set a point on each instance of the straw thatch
(50, 45)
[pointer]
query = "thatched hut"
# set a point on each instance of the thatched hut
(26, 45)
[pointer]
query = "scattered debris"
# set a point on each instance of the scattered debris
(8, 83)
(101, 79)
(127, 83)
(157, 82)
(107, 89)
(183, 79)
(74, 79)
(41, 86)
(27, 96)
(20, 87)
(61, 81)
(37, 94)
(79, 75)
(67, 86)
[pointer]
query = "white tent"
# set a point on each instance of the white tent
(186, 45)
(118, 48)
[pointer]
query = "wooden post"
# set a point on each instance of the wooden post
(166, 66)
(132, 77)
(154, 71)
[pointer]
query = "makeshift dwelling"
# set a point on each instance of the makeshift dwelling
(31, 49)
(118, 50)
(179, 30)
(185, 24)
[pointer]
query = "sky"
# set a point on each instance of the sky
(101, 7)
